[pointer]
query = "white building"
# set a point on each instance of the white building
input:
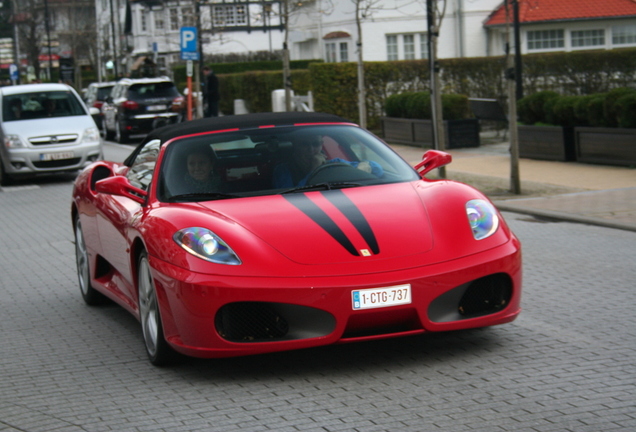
(326, 29)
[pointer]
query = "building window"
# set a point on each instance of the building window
(545, 39)
(187, 15)
(409, 47)
(344, 52)
(229, 15)
(174, 19)
(391, 47)
(159, 22)
(624, 34)
(143, 19)
(423, 45)
(587, 38)
(330, 52)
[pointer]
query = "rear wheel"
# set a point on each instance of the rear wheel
(120, 136)
(91, 296)
(158, 350)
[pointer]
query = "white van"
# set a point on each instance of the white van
(45, 128)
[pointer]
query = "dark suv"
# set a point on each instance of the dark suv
(137, 106)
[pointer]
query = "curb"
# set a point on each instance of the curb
(566, 217)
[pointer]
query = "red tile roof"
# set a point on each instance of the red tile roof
(559, 10)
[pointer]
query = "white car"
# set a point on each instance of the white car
(45, 128)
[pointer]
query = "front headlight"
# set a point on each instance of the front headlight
(482, 217)
(90, 135)
(13, 141)
(204, 244)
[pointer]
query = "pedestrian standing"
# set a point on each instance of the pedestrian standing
(211, 92)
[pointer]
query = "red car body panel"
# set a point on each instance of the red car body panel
(387, 235)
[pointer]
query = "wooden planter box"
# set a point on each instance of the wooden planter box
(546, 142)
(609, 146)
(459, 133)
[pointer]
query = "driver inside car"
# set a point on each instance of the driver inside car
(307, 156)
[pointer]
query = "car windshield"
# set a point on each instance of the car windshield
(275, 161)
(152, 90)
(37, 105)
(103, 92)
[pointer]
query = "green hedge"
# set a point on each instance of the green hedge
(335, 85)
(179, 71)
(417, 105)
(616, 108)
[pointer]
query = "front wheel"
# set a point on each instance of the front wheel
(158, 350)
(4, 177)
(106, 134)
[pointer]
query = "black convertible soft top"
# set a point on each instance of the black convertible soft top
(243, 121)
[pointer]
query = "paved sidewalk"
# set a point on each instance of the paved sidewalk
(593, 194)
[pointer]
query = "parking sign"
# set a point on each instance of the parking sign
(189, 44)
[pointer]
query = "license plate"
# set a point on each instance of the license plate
(381, 297)
(56, 156)
(156, 107)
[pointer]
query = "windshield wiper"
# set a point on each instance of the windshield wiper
(202, 196)
(321, 186)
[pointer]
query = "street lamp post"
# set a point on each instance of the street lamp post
(48, 36)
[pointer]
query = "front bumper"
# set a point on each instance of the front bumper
(208, 316)
(45, 159)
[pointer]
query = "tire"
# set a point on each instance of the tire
(158, 350)
(5, 180)
(91, 296)
(107, 134)
(120, 136)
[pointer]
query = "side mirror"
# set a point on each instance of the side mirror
(120, 186)
(432, 159)
(93, 111)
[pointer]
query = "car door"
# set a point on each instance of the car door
(118, 217)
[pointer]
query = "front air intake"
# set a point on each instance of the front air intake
(487, 295)
(250, 322)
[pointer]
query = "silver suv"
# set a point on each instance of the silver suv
(45, 128)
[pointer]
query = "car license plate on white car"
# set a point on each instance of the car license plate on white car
(56, 156)
(381, 297)
(156, 107)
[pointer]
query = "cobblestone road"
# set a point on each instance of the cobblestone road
(567, 364)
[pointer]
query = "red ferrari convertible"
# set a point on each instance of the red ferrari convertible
(268, 232)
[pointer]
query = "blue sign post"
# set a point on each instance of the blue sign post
(13, 73)
(189, 45)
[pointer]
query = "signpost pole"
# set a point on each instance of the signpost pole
(189, 80)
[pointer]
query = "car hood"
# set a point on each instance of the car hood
(336, 226)
(49, 126)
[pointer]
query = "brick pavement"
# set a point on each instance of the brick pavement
(567, 364)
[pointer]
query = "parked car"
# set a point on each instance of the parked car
(198, 236)
(45, 128)
(137, 106)
(96, 94)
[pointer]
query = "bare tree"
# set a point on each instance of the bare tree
(29, 18)
(364, 9)
(435, 16)
(290, 8)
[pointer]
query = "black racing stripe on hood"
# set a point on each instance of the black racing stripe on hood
(316, 214)
(355, 216)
